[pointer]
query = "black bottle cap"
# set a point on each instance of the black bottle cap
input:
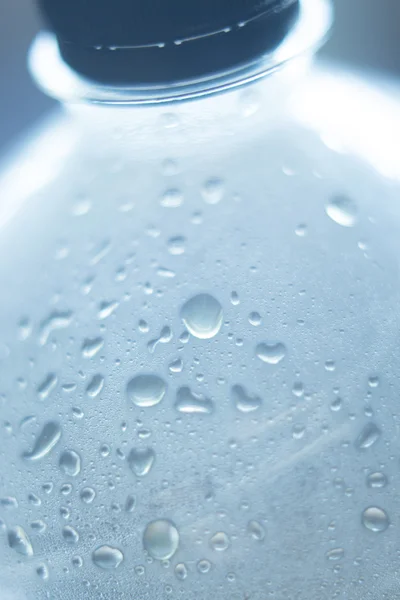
(128, 42)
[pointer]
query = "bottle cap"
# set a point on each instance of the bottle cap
(125, 42)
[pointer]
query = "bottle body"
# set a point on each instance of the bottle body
(199, 319)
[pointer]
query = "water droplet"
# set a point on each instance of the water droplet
(213, 190)
(298, 431)
(335, 554)
(164, 272)
(42, 572)
(190, 403)
(243, 401)
(161, 539)
(377, 480)
(24, 329)
(107, 557)
(81, 207)
(181, 571)
(336, 404)
(249, 102)
(256, 530)
(271, 353)
(375, 519)
(255, 319)
(95, 386)
(130, 503)
(70, 463)
(220, 541)
(45, 442)
(47, 385)
(91, 347)
(203, 566)
(19, 541)
(202, 316)
(342, 210)
(57, 320)
(301, 230)
(176, 245)
(100, 252)
(368, 436)
(106, 309)
(66, 489)
(169, 167)
(39, 526)
(33, 499)
(70, 535)
(172, 198)
(176, 366)
(87, 495)
(143, 326)
(146, 390)
(373, 381)
(235, 300)
(77, 562)
(8, 502)
(141, 460)
(164, 338)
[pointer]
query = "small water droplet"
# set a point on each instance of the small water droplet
(100, 252)
(213, 190)
(220, 541)
(235, 300)
(19, 541)
(256, 530)
(164, 272)
(373, 381)
(91, 346)
(146, 390)
(141, 460)
(56, 320)
(70, 535)
(87, 495)
(172, 198)
(130, 503)
(42, 572)
(33, 499)
(47, 385)
(202, 316)
(176, 245)
(95, 386)
(66, 489)
(106, 309)
(39, 526)
(190, 403)
(336, 404)
(272, 353)
(342, 210)
(368, 436)
(298, 431)
(175, 366)
(255, 319)
(377, 480)
(77, 562)
(107, 557)
(164, 338)
(301, 230)
(45, 442)
(70, 463)
(375, 519)
(24, 329)
(169, 167)
(335, 554)
(203, 566)
(181, 571)
(81, 207)
(244, 402)
(161, 539)
(8, 502)
(143, 326)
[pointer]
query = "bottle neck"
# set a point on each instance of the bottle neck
(59, 80)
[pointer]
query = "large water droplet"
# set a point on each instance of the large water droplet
(271, 353)
(146, 390)
(172, 198)
(377, 480)
(107, 557)
(375, 519)
(95, 386)
(342, 210)
(161, 539)
(70, 463)
(45, 442)
(141, 460)
(243, 401)
(368, 436)
(19, 541)
(191, 403)
(70, 535)
(176, 245)
(47, 385)
(220, 541)
(57, 320)
(91, 347)
(202, 316)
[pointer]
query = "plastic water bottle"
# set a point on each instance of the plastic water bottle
(200, 317)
